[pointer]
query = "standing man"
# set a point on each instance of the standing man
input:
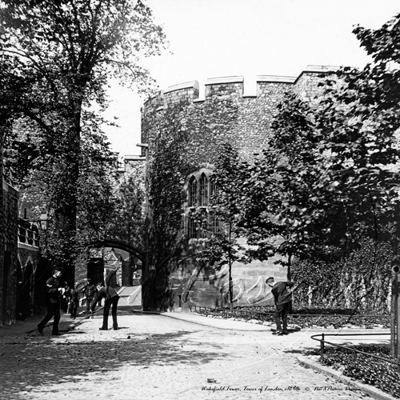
(283, 302)
(112, 297)
(55, 288)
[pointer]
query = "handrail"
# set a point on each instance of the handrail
(323, 342)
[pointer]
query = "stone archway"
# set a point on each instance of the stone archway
(137, 254)
(118, 244)
(130, 285)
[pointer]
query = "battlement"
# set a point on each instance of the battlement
(234, 86)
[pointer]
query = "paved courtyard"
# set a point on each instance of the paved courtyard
(156, 357)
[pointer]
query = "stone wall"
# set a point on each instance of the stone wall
(31, 286)
(255, 113)
(190, 284)
(203, 286)
(8, 253)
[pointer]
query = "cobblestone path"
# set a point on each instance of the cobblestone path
(155, 357)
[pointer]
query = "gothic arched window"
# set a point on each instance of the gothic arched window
(203, 190)
(192, 229)
(213, 190)
(197, 218)
(192, 192)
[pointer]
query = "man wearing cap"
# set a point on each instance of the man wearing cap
(55, 288)
(283, 302)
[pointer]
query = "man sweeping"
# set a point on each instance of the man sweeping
(283, 302)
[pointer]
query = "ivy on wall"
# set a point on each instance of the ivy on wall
(181, 139)
(361, 281)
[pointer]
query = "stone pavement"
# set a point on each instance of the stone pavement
(185, 356)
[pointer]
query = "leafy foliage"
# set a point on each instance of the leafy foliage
(57, 59)
(360, 281)
(176, 149)
(365, 368)
(329, 176)
(127, 222)
(289, 205)
(220, 225)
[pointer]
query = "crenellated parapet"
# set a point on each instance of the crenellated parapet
(225, 86)
(256, 109)
(305, 84)
(184, 92)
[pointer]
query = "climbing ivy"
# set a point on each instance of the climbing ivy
(360, 281)
(181, 139)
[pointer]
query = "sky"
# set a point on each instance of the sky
(215, 38)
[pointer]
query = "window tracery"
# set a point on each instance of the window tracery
(200, 189)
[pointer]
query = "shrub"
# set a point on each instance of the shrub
(364, 368)
(361, 281)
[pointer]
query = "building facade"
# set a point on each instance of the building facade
(246, 126)
(22, 271)
(8, 250)
(32, 271)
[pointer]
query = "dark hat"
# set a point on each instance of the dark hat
(270, 278)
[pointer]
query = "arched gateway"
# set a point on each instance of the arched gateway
(130, 290)
(118, 244)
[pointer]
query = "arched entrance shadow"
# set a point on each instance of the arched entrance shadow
(24, 290)
(96, 271)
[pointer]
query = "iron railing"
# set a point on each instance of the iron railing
(323, 342)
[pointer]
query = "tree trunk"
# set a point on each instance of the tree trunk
(148, 287)
(394, 315)
(230, 287)
(230, 269)
(288, 267)
(67, 199)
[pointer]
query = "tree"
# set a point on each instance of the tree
(127, 222)
(62, 55)
(359, 135)
(222, 244)
(329, 175)
(366, 108)
(288, 202)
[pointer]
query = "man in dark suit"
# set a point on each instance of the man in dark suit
(283, 302)
(55, 288)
